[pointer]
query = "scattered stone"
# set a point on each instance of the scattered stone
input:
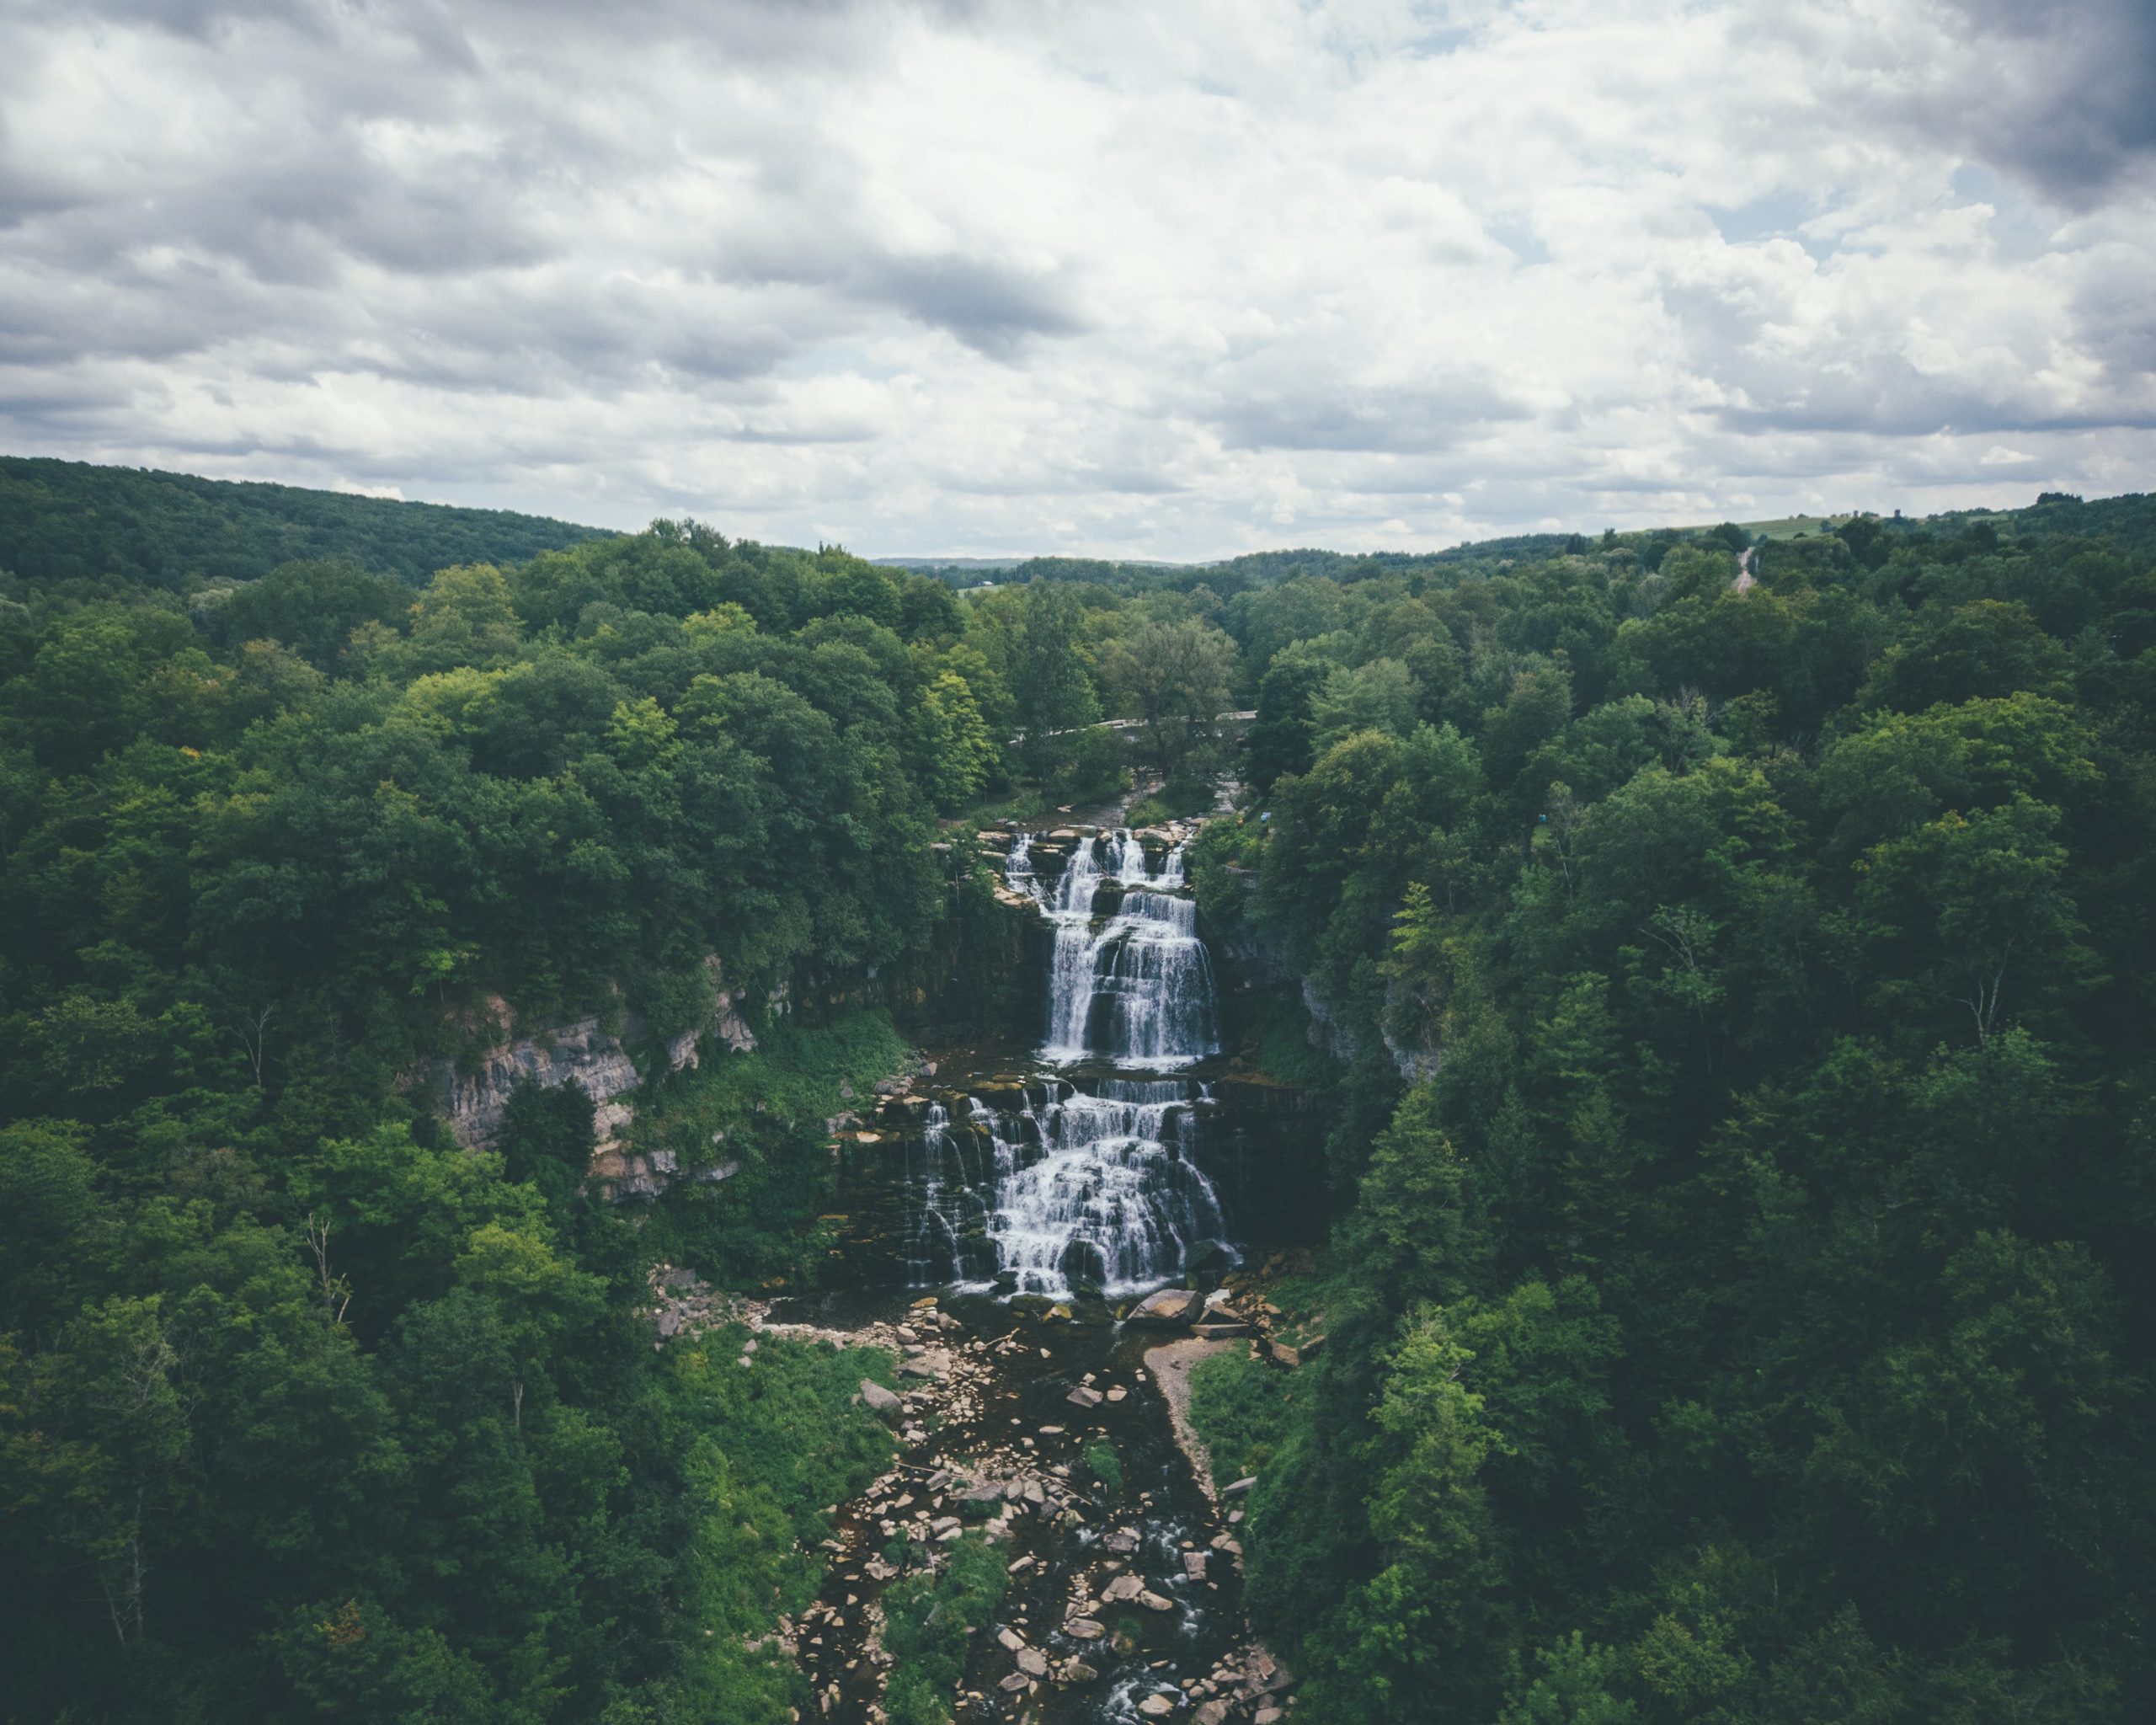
(879, 1399)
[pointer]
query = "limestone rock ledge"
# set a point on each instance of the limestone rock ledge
(473, 1101)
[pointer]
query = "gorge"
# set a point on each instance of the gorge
(1040, 1209)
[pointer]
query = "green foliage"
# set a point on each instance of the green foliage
(1241, 1408)
(1741, 1005)
(1106, 1467)
(929, 1620)
(1743, 1312)
(304, 1409)
(68, 521)
(1172, 677)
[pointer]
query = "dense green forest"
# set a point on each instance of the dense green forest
(304, 1410)
(1738, 1308)
(1745, 1314)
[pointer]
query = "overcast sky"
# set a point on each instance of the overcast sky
(1145, 278)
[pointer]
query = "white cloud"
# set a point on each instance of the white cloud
(990, 276)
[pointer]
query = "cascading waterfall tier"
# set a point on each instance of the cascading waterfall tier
(1069, 1192)
(1136, 988)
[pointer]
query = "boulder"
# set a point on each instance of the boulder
(1169, 1309)
(879, 1399)
(1085, 1267)
(1235, 1489)
(1083, 1398)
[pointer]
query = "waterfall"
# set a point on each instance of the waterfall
(1075, 1188)
(1018, 866)
(1138, 991)
(1086, 1188)
(932, 1245)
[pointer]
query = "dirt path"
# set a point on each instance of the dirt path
(1170, 1366)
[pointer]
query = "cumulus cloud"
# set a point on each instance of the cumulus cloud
(987, 276)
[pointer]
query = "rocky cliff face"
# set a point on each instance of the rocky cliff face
(579, 1052)
(472, 1100)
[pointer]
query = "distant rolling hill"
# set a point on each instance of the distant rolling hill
(63, 520)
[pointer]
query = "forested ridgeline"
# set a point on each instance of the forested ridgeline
(70, 521)
(1745, 1315)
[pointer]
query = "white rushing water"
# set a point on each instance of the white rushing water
(1095, 1187)
(1137, 990)
(1070, 1189)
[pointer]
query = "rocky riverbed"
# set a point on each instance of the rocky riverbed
(1125, 1579)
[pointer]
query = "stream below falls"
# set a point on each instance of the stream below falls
(1040, 1210)
(1117, 1596)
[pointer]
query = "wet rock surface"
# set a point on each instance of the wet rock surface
(1125, 1599)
